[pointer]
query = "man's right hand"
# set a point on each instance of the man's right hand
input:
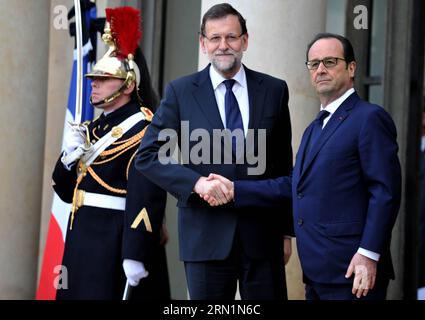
(72, 141)
(214, 191)
(74, 145)
(226, 184)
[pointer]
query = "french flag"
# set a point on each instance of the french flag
(54, 248)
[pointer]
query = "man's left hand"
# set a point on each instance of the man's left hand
(163, 235)
(364, 270)
(287, 249)
(134, 271)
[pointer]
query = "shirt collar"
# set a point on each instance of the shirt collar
(331, 107)
(217, 79)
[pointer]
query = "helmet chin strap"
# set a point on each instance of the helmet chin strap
(109, 99)
(127, 83)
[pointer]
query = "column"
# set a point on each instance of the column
(24, 43)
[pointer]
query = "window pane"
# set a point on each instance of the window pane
(377, 49)
(335, 16)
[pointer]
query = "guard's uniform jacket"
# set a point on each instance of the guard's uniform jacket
(121, 221)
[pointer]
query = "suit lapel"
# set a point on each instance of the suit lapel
(205, 98)
(299, 164)
(337, 118)
(256, 95)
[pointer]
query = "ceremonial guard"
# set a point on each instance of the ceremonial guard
(115, 225)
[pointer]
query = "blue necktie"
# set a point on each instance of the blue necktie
(233, 114)
(316, 130)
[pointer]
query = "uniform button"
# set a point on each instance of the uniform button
(300, 195)
(300, 221)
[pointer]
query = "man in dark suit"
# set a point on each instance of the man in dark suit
(345, 185)
(224, 245)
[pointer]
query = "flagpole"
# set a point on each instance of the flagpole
(79, 75)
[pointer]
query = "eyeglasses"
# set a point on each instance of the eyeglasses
(229, 38)
(328, 62)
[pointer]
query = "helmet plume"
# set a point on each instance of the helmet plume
(125, 29)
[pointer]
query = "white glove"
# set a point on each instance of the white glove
(69, 159)
(74, 144)
(72, 140)
(134, 271)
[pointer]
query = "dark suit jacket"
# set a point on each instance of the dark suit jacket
(422, 226)
(346, 196)
(207, 233)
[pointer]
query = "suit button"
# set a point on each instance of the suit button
(300, 195)
(300, 221)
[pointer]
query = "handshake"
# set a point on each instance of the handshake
(215, 189)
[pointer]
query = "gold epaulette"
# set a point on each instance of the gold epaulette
(147, 113)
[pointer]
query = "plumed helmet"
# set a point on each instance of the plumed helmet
(122, 34)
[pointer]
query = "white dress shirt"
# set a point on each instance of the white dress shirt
(334, 105)
(240, 89)
(331, 108)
